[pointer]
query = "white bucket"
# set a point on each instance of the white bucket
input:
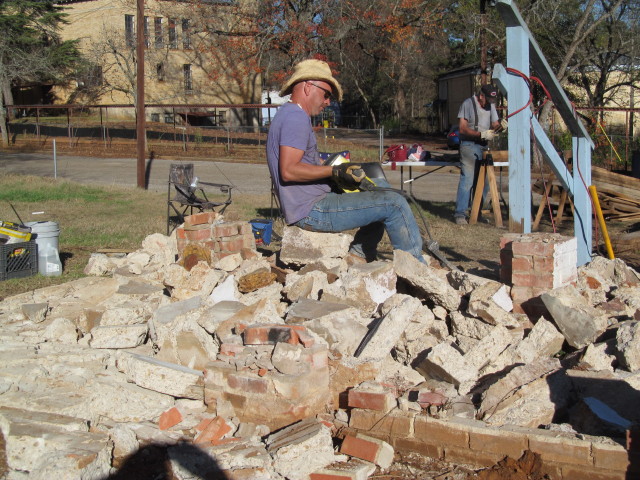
(46, 236)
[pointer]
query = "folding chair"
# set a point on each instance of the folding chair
(186, 194)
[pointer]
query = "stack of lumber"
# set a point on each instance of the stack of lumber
(619, 195)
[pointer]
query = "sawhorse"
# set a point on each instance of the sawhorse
(490, 160)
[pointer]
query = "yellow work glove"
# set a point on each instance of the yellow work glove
(348, 174)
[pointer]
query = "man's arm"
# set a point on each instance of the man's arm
(465, 130)
(292, 169)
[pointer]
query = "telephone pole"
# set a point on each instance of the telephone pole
(140, 114)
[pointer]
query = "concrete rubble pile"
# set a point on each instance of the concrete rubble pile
(252, 359)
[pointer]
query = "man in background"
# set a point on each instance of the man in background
(477, 122)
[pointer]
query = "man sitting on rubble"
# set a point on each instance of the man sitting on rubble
(302, 182)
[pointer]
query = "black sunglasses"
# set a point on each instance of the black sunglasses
(327, 93)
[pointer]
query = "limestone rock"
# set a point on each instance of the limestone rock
(118, 336)
(162, 377)
(302, 247)
(628, 341)
(300, 449)
(427, 280)
(578, 321)
(393, 325)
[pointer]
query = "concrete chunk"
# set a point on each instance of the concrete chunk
(544, 340)
(628, 338)
(300, 449)
(393, 325)
(118, 336)
(427, 280)
(578, 321)
(301, 247)
(446, 363)
(163, 377)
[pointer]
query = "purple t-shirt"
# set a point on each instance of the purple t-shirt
(291, 127)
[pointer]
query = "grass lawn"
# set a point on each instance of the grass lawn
(90, 219)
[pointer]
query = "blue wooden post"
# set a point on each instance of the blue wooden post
(519, 132)
(582, 215)
(522, 50)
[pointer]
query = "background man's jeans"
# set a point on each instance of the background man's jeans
(470, 154)
(372, 213)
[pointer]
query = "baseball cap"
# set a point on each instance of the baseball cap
(490, 92)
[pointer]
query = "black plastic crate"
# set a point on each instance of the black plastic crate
(18, 260)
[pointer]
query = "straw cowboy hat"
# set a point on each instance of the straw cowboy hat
(312, 70)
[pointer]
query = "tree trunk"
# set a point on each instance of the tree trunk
(6, 98)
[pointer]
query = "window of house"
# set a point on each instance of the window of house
(168, 118)
(160, 72)
(186, 34)
(173, 35)
(157, 27)
(146, 32)
(129, 30)
(155, 117)
(188, 80)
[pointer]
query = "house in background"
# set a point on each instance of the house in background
(181, 68)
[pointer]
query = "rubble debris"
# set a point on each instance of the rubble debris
(245, 365)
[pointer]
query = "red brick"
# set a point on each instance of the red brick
(232, 244)
(169, 418)
(198, 235)
(213, 432)
(381, 401)
(541, 280)
(508, 239)
(426, 399)
(368, 448)
(180, 235)
(440, 432)
(225, 230)
(543, 264)
(269, 335)
(248, 384)
(200, 218)
(533, 248)
(521, 264)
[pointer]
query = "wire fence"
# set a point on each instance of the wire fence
(175, 134)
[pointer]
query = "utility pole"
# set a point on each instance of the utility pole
(483, 42)
(140, 114)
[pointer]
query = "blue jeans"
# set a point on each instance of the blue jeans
(372, 213)
(470, 154)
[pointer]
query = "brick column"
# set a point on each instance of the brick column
(213, 236)
(534, 263)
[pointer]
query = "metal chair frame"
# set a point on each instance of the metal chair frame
(189, 195)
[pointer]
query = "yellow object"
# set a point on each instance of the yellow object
(14, 233)
(603, 226)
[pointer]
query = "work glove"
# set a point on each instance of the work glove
(348, 174)
(487, 135)
(504, 124)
